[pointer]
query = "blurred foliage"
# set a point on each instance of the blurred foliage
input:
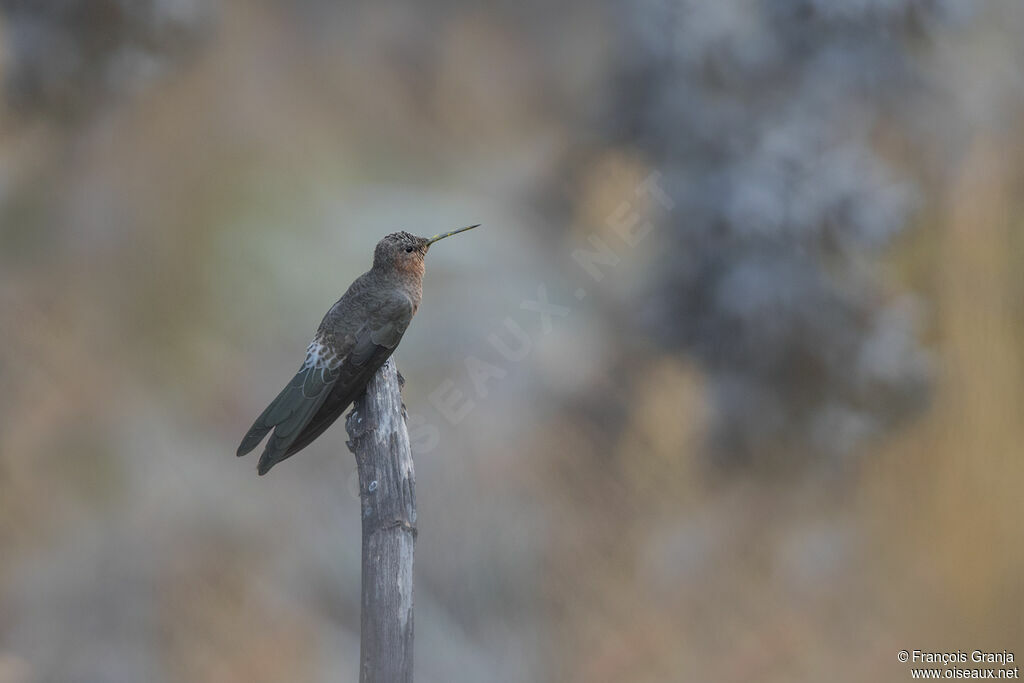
(834, 302)
(65, 57)
(760, 116)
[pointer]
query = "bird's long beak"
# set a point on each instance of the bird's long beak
(437, 238)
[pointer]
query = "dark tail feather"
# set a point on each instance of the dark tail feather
(287, 431)
(331, 410)
(288, 414)
(253, 438)
(260, 427)
(267, 461)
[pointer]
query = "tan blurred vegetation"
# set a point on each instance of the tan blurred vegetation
(803, 579)
(164, 260)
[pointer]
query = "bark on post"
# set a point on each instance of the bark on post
(380, 442)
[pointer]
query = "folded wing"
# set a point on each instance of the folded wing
(327, 384)
(374, 344)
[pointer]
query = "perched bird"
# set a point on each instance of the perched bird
(354, 339)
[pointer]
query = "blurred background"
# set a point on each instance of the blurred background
(771, 431)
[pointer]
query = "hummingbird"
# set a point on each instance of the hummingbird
(356, 336)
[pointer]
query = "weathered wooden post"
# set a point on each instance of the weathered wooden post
(380, 441)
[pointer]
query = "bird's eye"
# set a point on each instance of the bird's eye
(408, 250)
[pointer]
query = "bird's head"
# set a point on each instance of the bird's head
(404, 252)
